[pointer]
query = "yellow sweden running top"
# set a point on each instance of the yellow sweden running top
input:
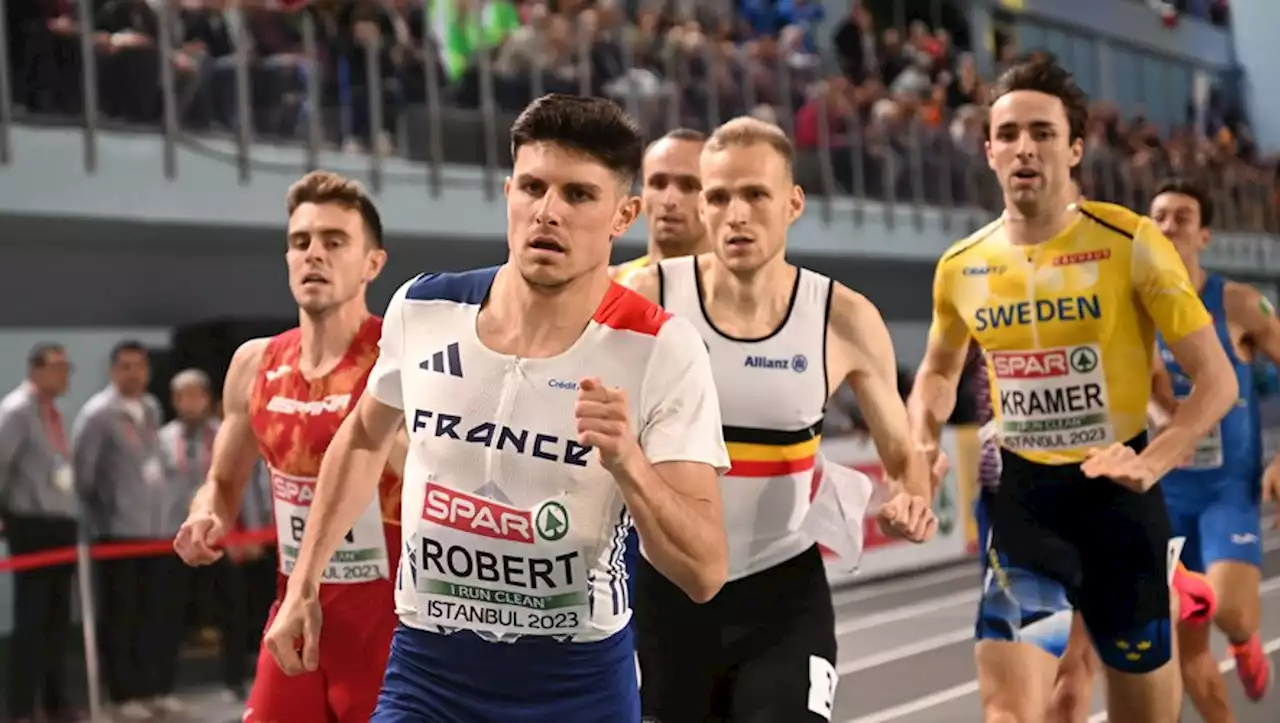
(1068, 326)
(626, 269)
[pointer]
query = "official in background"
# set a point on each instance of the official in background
(186, 445)
(120, 477)
(39, 511)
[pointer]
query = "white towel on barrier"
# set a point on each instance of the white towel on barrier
(845, 497)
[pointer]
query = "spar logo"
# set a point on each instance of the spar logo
(293, 491)
(489, 518)
(1044, 364)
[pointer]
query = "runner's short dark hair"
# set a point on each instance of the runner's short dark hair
(594, 127)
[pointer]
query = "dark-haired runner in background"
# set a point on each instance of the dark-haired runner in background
(1215, 495)
(549, 410)
(1065, 297)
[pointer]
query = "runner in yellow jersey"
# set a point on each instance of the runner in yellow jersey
(669, 199)
(1065, 298)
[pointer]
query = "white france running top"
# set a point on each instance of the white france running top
(773, 397)
(511, 528)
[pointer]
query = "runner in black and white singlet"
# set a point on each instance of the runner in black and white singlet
(781, 339)
(548, 410)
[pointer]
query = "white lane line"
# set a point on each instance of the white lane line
(1225, 666)
(907, 612)
(1269, 585)
(920, 704)
(873, 590)
(1228, 665)
(906, 651)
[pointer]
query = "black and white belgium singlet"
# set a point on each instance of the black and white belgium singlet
(773, 393)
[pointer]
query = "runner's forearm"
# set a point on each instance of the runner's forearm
(349, 476)
(932, 400)
(1210, 399)
(683, 537)
(219, 495)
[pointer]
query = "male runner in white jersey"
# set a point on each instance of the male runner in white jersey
(1214, 497)
(669, 190)
(1065, 297)
(548, 409)
(782, 339)
(669, 200)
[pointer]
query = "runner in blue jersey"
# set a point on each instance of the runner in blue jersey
(1214, 497)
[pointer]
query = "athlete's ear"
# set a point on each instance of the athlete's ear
(1077, 152)
(506, 187)
(991, 159)
(375, 263)
(628, 212)
(795, 205)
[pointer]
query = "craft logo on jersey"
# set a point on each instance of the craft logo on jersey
(798, 363)
(488, 518)
(984, 270)
(1082, 257)
(500, 437)
(446, 361)
(334, 403)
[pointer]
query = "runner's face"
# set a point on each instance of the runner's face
(563, 211)
(1031, 151)
(749, 200)
(330, 257)
(1178, 216)
(670, 195)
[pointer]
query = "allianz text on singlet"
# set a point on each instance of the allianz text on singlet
(1068, 326)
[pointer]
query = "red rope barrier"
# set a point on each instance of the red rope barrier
(118, 550)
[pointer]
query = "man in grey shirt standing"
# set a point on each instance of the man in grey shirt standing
(119, 474)
(38, 505)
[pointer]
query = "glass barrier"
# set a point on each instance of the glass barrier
(886, 117)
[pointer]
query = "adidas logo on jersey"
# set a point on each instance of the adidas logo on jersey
(446, 361)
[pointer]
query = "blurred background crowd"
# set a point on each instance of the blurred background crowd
(883, 99)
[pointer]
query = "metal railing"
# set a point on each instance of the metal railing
(405, 96)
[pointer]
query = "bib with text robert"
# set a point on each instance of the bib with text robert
(361, 557)
(492, 567)
(1052, 399)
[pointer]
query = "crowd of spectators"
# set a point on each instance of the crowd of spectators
(901, 106)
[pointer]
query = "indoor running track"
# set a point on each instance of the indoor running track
(906, 649)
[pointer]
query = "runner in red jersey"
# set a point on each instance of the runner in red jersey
(284, 399)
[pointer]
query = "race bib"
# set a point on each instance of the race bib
(1052, 399)
(1208, 452)
(491, 567)
(361, 557)
(63, 477)
(153, 471)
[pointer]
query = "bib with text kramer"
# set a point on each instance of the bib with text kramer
(488, 566)
(1052, 399)
(361, 557)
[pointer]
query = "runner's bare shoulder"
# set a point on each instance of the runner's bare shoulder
(244, 366)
